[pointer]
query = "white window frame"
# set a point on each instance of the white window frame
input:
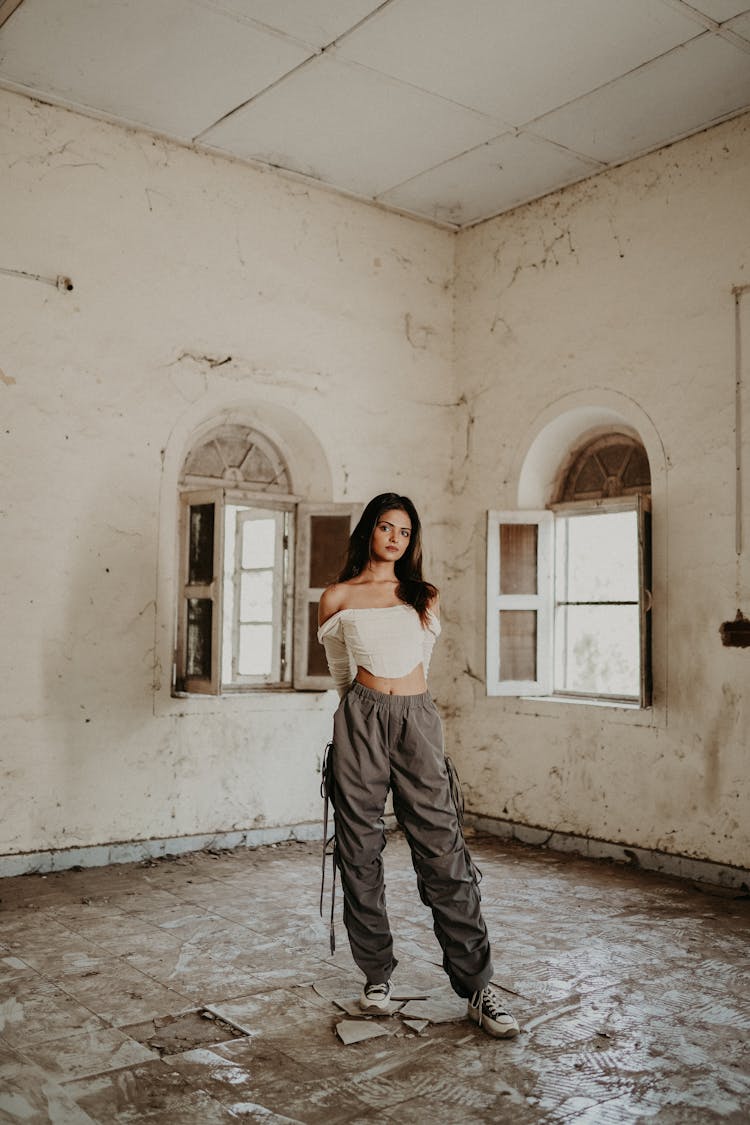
(281, 674)
(543, 603)
(297, 596)
(540, 603)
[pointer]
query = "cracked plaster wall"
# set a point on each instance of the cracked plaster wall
(615, 291)
(331, 311)
(199, 282)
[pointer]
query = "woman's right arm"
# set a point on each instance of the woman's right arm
(339, 663)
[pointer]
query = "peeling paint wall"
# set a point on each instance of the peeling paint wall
(201, 286)
(616, 294)
(196, 283)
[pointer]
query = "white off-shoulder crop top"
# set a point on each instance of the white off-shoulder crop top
(389, 642)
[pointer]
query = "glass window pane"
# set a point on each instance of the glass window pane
(517, 644)
(597, 557)
(256, 467)
(256, 650)
(199, 616)
(597, 649)
(201, 547)
(256, 595)
(258, 543)
(205, 462)
(329, 539)
(316, 657)
(518, 558)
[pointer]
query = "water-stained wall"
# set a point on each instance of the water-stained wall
(202, 287)
(199, 286)
(613, 300)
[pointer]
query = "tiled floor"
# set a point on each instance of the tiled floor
(200, 990)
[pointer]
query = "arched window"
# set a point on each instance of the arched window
(568, 596)
(254, 559)
(611, 465)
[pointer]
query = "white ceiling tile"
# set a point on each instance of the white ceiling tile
(741, 26)
(720, 10)
(490, 179)
(172, 66)
(516, 60)
(680, 93)
(349, 126)
(410, 104)
(317, 23)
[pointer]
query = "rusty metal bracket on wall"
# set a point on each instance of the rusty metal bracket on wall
(61, 282)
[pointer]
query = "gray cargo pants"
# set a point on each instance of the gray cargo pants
(383, 742)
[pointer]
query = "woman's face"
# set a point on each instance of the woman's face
(391, 536)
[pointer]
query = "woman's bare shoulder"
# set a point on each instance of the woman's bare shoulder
(331, 601)
(434, 605)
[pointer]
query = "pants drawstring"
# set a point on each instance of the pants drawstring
(329, 844)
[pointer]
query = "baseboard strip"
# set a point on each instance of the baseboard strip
(683, 867)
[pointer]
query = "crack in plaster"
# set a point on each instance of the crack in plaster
(418, 335)
(548, 255)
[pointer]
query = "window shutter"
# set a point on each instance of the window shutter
(645, 597)
(323, 532)
(198, 656)
(519, 603)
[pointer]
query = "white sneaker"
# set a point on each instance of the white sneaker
(376, 997)
(488, 1009)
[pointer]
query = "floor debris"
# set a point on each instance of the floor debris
(356, 1031)
(631, 989)
(437, 1009)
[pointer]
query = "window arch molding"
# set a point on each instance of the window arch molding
(298, 445)
(564, 424)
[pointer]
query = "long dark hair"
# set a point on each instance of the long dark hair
(412, 587)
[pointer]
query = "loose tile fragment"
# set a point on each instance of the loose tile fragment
(417, 1025)
(351, 1007)
(438, 1009)
(355, 1031)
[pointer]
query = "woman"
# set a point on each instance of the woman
(378, 624)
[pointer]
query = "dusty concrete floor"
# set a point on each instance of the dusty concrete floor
(633, 992)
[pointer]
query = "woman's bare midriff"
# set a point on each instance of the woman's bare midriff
(412, 684)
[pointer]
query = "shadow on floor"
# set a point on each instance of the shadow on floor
(200, 989)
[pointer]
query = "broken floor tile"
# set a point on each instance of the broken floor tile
(254, 1113)
(172, 1035)
(352, 1008)
(31, 1097)
(85, 1053)
(153, 1092)
(439, 1008)
(40, 1011)
(416, 1025)
(191, 971)
(263, 1013)
(355, 1031)
(241, 1081)
(122, 995)
(336, 984)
